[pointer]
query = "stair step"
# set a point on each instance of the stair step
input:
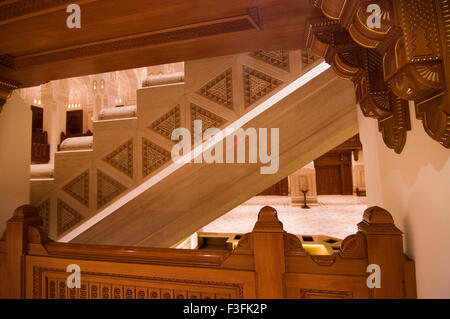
(163, 79)
(77, 143)
(42, 171)
(122, 112)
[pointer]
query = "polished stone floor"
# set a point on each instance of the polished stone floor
(335, 216)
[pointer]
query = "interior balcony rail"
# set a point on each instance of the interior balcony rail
(267, 263)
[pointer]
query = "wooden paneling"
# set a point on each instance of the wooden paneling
(143, 33)
(281, 189)
(267, 263)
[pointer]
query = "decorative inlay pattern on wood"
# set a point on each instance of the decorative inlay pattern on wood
(153, 157)
(107, 188)
(279, 59)
(50, 283)
(78, 188)
(44, 212)
(324, 294)
(257, 85)
(67, 217)
(208, 119)
(7, 61)
(307, 57)
(6, 88)
(122, 158)
(220, 89)
(167, 123)
(147, 39)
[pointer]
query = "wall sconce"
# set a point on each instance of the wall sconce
(94, 85)
(37, 102)
(102, 84)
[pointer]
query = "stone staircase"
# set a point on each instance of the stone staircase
(121, 187)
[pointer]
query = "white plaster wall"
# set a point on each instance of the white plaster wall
(415, 188)
(15, 156)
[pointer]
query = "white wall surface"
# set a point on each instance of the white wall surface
(15, 156)
(415, 188)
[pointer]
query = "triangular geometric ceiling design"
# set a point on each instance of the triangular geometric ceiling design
(208, 119)
(220, 90)
(67, 217)
(78, 188)
(257, 85)
(44, 212)
(122, 158)
(153, 157)
(107, 188)
(279, 59)
(167, 123)
(307, 58)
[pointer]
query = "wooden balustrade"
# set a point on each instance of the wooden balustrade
(267, 263)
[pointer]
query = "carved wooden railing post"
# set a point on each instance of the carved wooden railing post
(16, 242)
(268, 249)
(385, 249)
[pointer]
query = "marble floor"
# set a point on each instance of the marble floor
(335, 216)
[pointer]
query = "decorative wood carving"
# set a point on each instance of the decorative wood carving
(78, 188)
(107, 189)
(67, 217)
(220, 89)
(153, 157)
(279, 59)
(293, 246)
(49, 283)
(122, 158)
(167, 123)
(208, 119)
(257, 85)
(267, 263)
(44, 212)
(354, 246)
(407, 58)
(6, 88)
(324, 294)
(308, 58)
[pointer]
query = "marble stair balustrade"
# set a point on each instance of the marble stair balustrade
(121, 177)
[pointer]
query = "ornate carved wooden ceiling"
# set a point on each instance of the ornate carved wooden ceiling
(37, 46)
(406, 58)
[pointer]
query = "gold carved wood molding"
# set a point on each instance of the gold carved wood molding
(406, 58)
(6, 88)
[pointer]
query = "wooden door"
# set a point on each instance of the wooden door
(328, 179)
(281, 189)
(334, 173)
(37, 119)
(74, 123)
